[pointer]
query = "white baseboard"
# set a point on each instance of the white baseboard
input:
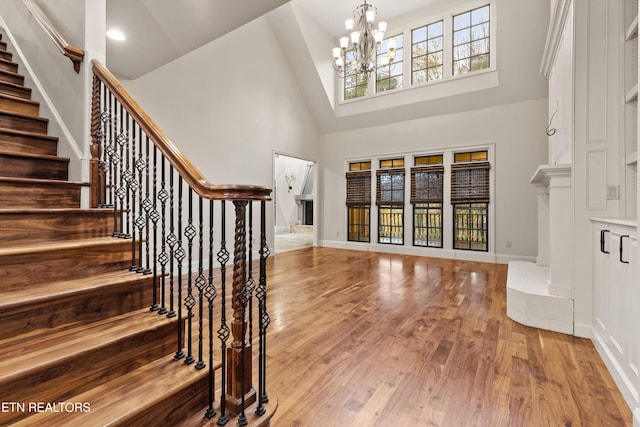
(428, 252)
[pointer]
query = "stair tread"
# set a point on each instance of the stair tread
(19, 99)
(60, 344)
(35, 156)
(45, 291)
(23, 115)
(116, 401)
(11, 73)
(54, 211)
(27, 248)
(40, 181)
(27, 133)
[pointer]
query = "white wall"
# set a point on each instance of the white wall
(517, 130)
(229, 104)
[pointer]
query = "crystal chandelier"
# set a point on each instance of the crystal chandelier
(358, 49)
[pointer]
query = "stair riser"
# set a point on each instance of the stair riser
(90, 305)
(28, 144)
(18, 271)
(27, 124)
(19, 91)
(26, 195)
(9, 66)
(5, 55)
(64, 379)
(174, 408)
(11, 78)
(50, 226)
(19, 105)
(28, 167)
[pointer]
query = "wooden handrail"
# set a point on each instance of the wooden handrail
(176, 158)
(72, 52)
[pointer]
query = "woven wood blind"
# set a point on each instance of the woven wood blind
(390, 187)
(427, 184)
(470, 182)
(358, 188)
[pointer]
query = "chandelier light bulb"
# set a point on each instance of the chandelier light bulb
(371, 14)
(378, 36)
(382, 26)
(355, 37)
(384, 60)
(392, 43)
(336, 52)
(348, 23)
(344, 42)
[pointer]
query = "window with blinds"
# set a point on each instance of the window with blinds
(427, 184)
(470, 196)
(358, 201)
(390, 201)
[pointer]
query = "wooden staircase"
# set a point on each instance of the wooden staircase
(78, 345)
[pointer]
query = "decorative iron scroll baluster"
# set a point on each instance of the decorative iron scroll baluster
(179, 256)
(133, 186)
(251, 284)
(140, 220)
(147, 205)
(127, 174)
(163, 196)
(223, 331)
(110, 152)
(155, 216)
(261, 294)
(190, 301)
(121, 189)
(201, 282)
(171, 241)
(210, 292)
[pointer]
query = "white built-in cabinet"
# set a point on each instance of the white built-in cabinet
(616, 301)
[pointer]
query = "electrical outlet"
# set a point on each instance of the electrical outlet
(337, 234)
(508, 243)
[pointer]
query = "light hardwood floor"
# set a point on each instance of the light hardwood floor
(364, 339)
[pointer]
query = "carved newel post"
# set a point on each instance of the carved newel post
(240, 392)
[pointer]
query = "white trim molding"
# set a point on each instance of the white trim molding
(554, 35)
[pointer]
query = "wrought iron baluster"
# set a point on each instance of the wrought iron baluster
(121, 190)
(201, 281)
(171, 242)
(148, 205)
(127, 175)
(251, 284)
(133, 186)
(140, 220)
(261, 294)
(190, 301)
(111, 151)
(163, 196)
(210, 293)
(224, 330)
(179, 256)
(155, 216)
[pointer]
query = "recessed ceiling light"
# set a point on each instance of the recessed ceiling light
(116, 34)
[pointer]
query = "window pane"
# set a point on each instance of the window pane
(358, 224)
(419, 49)
(427, 224)
(461, 52)
(470, 226)
(435, 59)
(435, 44)
(390, 225)
(460, 67)
(480, 46)
(480, 31)
(419, 77)
(419, 34)
(419, 63)
(480, 15)
(462, 36)
(435, 29)
(479, 62)
(434, 73)
(349, 93)
(461, 21)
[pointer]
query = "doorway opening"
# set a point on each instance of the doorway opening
(293, 202)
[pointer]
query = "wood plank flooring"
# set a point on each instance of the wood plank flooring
(365, 339)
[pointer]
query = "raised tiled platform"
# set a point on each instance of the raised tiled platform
(529, 301)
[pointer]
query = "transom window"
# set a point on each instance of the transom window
(426, 53)
(355, 83)
(471, 36)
